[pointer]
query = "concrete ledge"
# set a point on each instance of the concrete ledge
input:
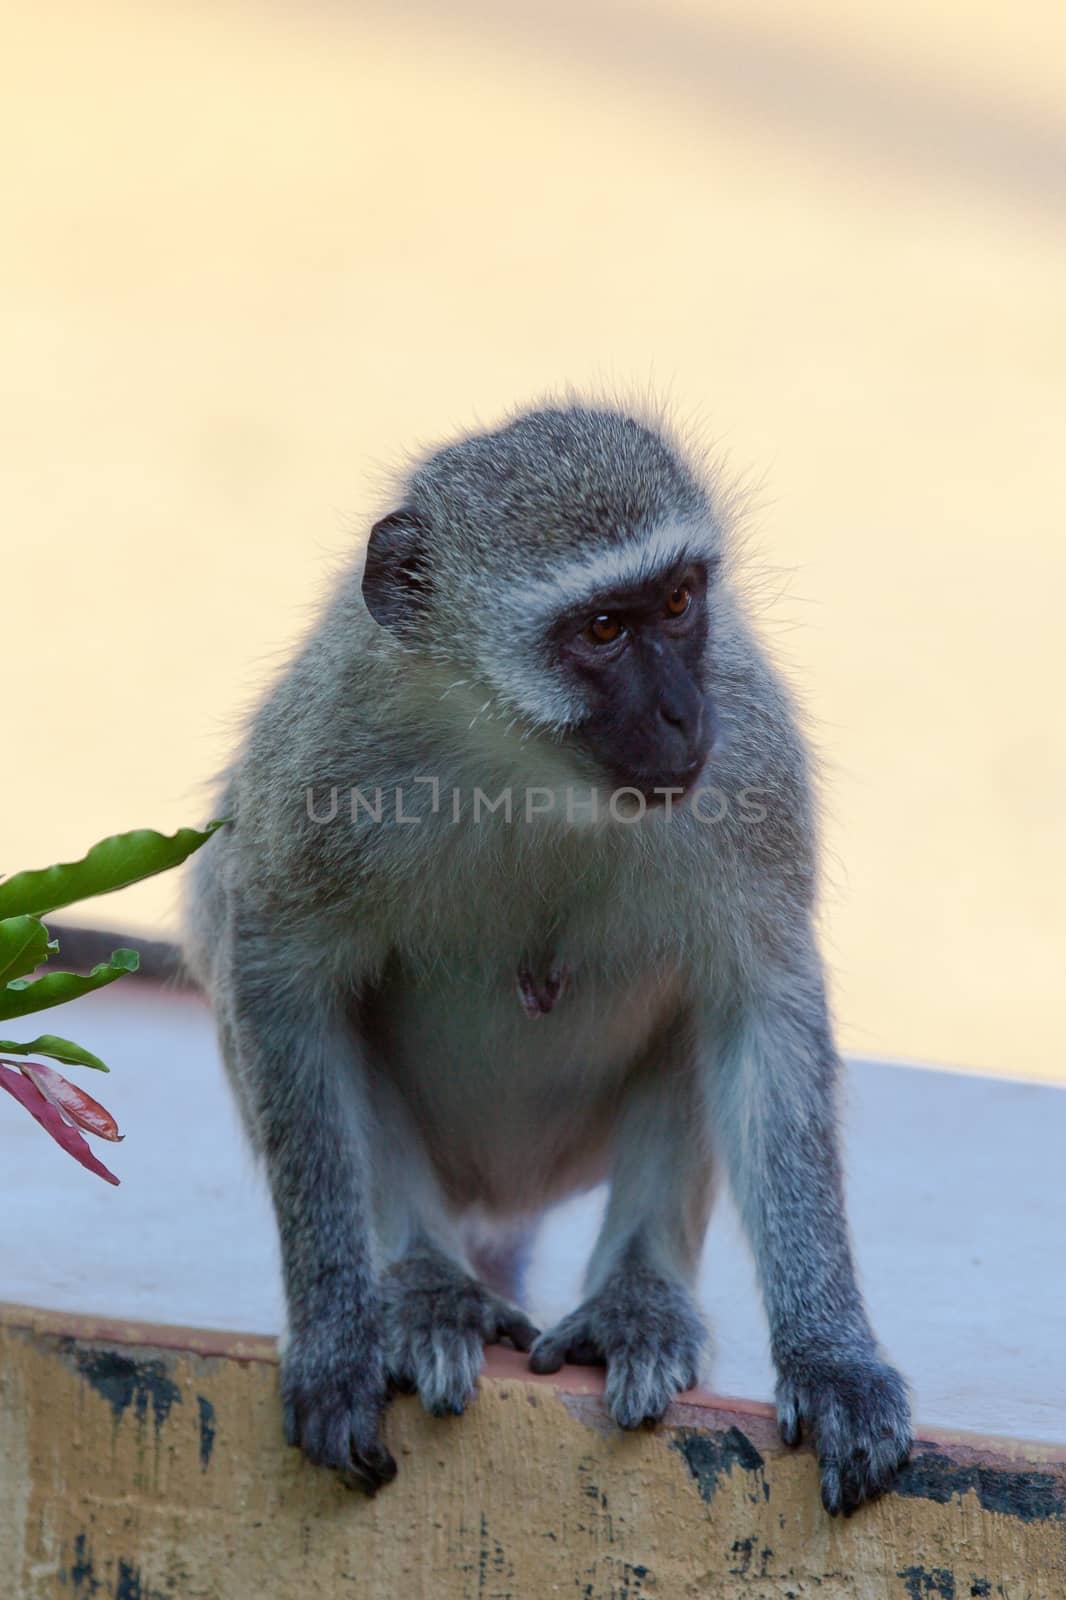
(141, 1462)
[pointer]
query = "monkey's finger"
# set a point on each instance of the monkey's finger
(832, 1493)
(849, 1483)
(330, 1436)
(515, 1326)
(373, 1465)
(789, 1422)
(856, 1482)
(584, 1353)
(290, 1422)
(547, 1354)
(869, 1472)
(366, 1465)
(323, 1436)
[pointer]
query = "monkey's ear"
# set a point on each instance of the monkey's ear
(396, 577)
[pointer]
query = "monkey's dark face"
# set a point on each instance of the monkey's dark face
(609, 646)
(640, 655)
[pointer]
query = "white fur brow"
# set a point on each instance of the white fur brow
(623, 568)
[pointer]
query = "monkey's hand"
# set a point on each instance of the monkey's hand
(333, 1391)
(856, 1411)
(438, 1320)
(648, 1332)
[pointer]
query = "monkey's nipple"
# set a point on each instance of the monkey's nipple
(538, 996)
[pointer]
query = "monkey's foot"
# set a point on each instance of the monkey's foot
(856, 1412)
(647, 1331)
(332, 1392)
(538, 996)
(437, 1322)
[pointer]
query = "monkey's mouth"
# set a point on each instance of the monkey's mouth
(675, 786)
(659, 788)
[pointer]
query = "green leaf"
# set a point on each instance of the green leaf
(112, 864)
(24, 944)
(56, 1049)
(18, 999)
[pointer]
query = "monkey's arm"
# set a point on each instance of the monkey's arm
(771, 1099)
(300, 1076)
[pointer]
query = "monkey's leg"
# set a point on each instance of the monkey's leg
(639, 1317)
(773, 1109)
(437, 1316)
(502, 1260)
(300, 1071)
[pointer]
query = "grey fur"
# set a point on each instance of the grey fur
(438, 1318)
(390, 1071)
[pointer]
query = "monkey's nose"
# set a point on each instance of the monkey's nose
(687, 719)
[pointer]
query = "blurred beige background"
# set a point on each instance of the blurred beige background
(252, 253)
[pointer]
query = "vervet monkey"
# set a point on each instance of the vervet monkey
(436, 1003)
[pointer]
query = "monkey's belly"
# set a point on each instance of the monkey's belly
(513, 1111)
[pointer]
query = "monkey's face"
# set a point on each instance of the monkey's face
(638, 655)
(560, 573)
(608, 653)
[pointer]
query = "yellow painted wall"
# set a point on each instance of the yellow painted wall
(253, 251)
(147, 1464)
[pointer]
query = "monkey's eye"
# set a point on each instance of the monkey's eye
(604, 629)
(678, 602)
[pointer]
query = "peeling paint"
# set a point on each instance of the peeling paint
(123, 1381)
(1032, 1496)
(207, 1429)
(746, 1551)
(81, 1576)
(85, 1582)
(129, 1585)
(923, 1584)
(711, 1455)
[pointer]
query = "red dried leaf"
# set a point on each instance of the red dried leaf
(51, 1120)
(76, 1106)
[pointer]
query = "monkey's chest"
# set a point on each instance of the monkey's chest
(513, 1074)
